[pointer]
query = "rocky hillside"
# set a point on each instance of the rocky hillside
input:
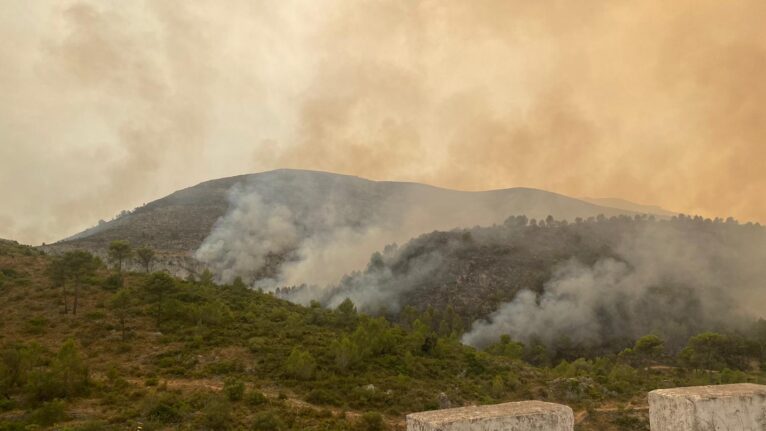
(312, 205)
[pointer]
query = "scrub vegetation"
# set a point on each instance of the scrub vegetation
(153, 351)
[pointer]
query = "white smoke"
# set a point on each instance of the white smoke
(300, 227)
(252, 232)
(667, 281)
(305, 230)
(379, 289)
(293, 228)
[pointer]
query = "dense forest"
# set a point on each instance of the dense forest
(88, 346)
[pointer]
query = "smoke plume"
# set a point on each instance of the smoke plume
(668, 278)
(109, 104)
(294, 227)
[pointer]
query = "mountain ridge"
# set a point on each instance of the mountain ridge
(184, 225)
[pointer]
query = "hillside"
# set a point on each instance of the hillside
(167, 354)
(590, 285)
(291, 215)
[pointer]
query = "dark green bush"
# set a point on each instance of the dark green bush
(371, 421)
(322, 397)
(267, 421)
(234, 388)
(166, 408)
(48, 413)
(256, 398)
(7, 404)
(13, 426)
(300, 365)
(113, 282)
(217, 414)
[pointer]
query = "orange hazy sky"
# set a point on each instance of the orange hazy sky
(109, 104)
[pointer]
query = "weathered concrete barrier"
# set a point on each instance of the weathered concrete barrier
(739, 407)
(518, 416)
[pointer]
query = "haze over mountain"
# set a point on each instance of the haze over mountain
(295, 226)
(334, 213)
(108, 104)
(630, 206)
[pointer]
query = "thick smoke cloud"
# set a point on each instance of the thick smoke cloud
(668, 281)
(242, 243)
(291, 231)
(110, 104)
(377, 289)
(294, 227)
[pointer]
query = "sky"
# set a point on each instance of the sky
(109, 104)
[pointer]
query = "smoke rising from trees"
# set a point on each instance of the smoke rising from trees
(292, 227)
(669, 278)
(600, 282)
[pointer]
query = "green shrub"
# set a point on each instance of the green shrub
(713, 351)
(347, 353)
(15, 362)
(67, 377)
(507, 347)
(623, 379)
(41, 385)
(321, 396)
(256, 398)
(729, 376)
(70, 370)
(9, 273)
(256, 344)
(217, 414)
(234, 388)
(300, 365)
(113, 282)
(48, 414)
(166, 408)
(267, 421)
(7, 404)
(371, 421)
(13, 426)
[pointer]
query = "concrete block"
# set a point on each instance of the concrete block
(740, 407)
(518, 416)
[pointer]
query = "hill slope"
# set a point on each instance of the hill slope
(288, 225)
(595, 283)
(223, 357)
